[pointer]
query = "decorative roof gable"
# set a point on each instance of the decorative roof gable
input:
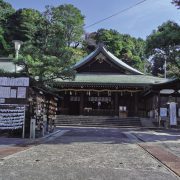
(102, 56)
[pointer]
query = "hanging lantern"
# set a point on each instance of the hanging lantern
(70, 93)
(121, 93)
(89, 93)
(131, 94)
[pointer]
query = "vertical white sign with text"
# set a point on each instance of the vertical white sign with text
(173, 118)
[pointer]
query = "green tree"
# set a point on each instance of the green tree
(3, 43)
(177, 3)
(6, 11)
(157, 67)
(69, 21)
(50, 53)
(164, 43)
(125, 47)
(112, 39)
(23, 24)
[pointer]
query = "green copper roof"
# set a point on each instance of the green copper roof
(8, 65)
(133, 78)
(110, 56)
(112, 79)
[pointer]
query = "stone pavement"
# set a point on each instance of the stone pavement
(166, 157)
(86, 154)
(9, 146)
(164, 145)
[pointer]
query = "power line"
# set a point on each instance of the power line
(119, 12)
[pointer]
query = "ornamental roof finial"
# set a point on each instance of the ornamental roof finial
(101, 44)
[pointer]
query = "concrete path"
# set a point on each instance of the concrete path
(164, 156)
(163, 145)
(9, 146)
(85, 154)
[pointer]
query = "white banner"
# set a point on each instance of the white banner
(7, 81)
(13, 93)
(12, 117)
(5, 92)
(173, 118)
(21, 93)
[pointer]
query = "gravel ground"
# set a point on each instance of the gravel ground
(85, 154)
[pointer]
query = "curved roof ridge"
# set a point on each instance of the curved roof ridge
(86, 59)
(120, 62)
(112, 57)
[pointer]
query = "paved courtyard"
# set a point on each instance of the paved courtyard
(87, 153)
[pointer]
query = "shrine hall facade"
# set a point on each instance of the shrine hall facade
(106, 86)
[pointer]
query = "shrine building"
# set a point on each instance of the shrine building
(106, 86)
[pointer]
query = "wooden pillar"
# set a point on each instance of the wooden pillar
(116, 104)
(81, 106)
(136, 104)
(159, 102)
(158, 107)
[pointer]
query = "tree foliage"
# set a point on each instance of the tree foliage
(23, 24)
(164, 44)
(125, 47)
(49, 40)
(60, 28)
(69, 21)
(177, 3)
(6, 10)
(52, 42)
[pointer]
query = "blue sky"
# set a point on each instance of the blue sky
(138, 22)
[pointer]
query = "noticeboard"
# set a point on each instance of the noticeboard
(13, 90)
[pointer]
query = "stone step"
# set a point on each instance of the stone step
(96, 121)
(113, 121)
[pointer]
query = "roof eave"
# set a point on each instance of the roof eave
(101, 84)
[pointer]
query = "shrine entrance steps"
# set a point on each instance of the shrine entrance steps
(97, 121)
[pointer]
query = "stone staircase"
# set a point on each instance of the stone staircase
(97, 121)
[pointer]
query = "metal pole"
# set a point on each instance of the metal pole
(17, 54)
(16, 57)
(23, 132)
(165, 72)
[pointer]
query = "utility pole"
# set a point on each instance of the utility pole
(165, 66)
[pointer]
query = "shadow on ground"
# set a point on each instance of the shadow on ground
(115, 135)
(101, 135)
